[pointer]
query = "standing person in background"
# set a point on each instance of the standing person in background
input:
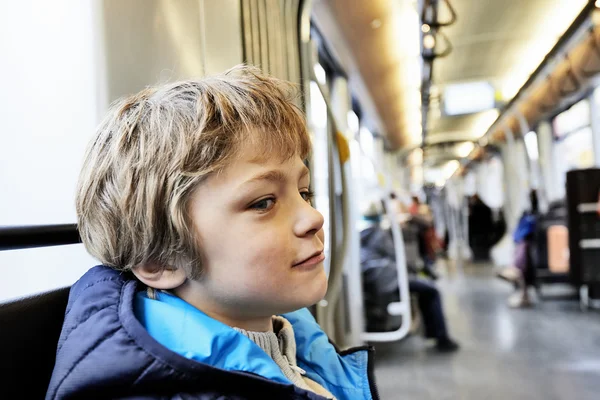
(522, 272)
(481, 229)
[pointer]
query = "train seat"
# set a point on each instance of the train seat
(29, 332)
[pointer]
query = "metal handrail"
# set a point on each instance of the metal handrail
(402, 306)
(26, 237)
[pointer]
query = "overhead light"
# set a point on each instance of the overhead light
(428, 41)
(415, 157)
(320, 74)
(426, 28)
(411, 71)
(450, 168)
(511, 88)
(597, 3)
(484, 121)
(405, 26)
(464, 149)
(411, 99)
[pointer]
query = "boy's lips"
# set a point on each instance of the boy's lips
(311, 260)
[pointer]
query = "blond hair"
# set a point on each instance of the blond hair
(155, 147)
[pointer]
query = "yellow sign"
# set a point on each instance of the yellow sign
(343, 147)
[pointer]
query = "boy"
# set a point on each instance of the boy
(196, 199)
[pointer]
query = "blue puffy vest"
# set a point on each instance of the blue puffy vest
(105, 351)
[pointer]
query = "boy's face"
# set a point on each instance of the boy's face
(261, 240)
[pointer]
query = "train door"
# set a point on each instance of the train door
(337, 156)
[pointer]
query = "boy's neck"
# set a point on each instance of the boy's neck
(247, 323)
(250, 324)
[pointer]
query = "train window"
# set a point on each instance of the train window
(573, 146)
(576, 117)
(576, 150)
(531, 144)
(365, 170)
(50, 110)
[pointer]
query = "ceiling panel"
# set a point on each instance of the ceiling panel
(501, 42)
(383, 37)
(489, 35)
(457, 123)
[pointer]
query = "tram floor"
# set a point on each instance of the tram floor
(549, 352)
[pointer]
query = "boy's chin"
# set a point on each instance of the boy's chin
(311, 296)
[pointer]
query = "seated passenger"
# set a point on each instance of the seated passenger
(196, 199)
(378, 263)
(429, 245)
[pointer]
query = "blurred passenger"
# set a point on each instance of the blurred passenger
(429, 244)
(195, 197)
(378, 262)
(522, 272)
(485, 228)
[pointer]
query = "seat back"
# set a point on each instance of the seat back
(29, 332)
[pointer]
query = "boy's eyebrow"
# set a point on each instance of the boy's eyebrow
(275, 176)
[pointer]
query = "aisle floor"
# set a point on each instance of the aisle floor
(551, 352)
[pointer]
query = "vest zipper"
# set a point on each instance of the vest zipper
(370, 366)
(371, 373)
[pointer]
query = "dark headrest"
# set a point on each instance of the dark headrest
(29, 332)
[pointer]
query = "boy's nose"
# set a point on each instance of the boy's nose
(309, 221)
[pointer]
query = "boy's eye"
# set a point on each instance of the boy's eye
(308, 195)
(263, 205)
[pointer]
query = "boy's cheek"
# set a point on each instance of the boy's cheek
(266, 251)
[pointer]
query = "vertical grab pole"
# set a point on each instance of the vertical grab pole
(402, 307)
(595, 122)
(534, 165)
(508, 179)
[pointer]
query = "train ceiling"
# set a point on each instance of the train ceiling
(379, 43)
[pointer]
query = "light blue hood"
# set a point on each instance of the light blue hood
(185, 330)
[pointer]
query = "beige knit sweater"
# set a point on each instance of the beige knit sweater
(280, 345)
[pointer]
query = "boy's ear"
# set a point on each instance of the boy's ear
(159, 278)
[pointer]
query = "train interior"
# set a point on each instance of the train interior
(455, 160)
